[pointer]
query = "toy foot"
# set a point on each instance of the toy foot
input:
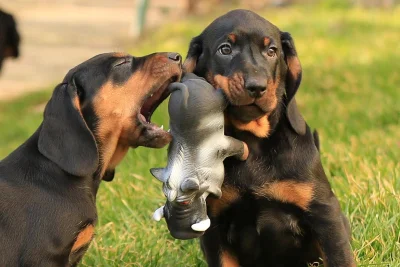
(245, 152)
(201, 226)
(158, 214)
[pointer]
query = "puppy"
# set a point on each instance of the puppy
(49, 184)
(277, 208)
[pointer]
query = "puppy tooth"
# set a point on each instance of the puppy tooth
(158, 214)
(169, 130)
(201, 226)
(162, 127)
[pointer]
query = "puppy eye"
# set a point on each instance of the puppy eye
(225, 49)
(271, 52)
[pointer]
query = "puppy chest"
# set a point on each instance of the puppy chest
(252, 228)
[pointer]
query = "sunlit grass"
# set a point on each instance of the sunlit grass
(350, 93)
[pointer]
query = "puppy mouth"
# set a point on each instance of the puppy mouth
(152, 135)
(246, 113)
(154, 99)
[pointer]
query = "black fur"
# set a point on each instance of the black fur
(9, 37)
(49, 184)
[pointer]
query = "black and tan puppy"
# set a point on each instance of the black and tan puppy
(277, 208)
(9, 37)
(49, 184)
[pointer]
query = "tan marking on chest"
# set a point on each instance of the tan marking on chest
(84, 237)
(229, 195)
(296, 193)
(259, 127)
(228, 260)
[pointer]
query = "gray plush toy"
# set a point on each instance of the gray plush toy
(195, 156)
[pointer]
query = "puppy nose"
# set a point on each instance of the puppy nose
(256, 88)
(175, 57)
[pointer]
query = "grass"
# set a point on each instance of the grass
(350, 93)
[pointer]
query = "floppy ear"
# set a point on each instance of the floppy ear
(292, 83)
(195, 50)
(13, 38)
(64, 137)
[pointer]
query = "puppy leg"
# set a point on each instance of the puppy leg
(213, 250)
(331, 232)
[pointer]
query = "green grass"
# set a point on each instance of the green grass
(350, 93)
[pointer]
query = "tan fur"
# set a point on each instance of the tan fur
(232, 87)
(296, 193)
(294, 66)
(113, 106)
(229, 195)
(259, 127)
(270, 95)
(267, 41)
(232, 37)
(189, 65)
(228, 260)
(84, 237)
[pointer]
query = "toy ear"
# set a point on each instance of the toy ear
(64, 136)
(158, 173)
(190, 184)
(181, 100)
(195, 50)
(292, 83)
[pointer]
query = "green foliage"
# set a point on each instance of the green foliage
(350, 93)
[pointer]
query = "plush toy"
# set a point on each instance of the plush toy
(195, 156)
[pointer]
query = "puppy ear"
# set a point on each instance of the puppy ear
(64, 137)
(195, 50)
(292, 83)
(13, 38)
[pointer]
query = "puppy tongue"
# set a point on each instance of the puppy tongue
(142, 117)
(153, 136)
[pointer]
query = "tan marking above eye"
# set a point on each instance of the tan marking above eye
(267, 41)
(228, 260)
(84, 237)
(293, 192)
(232, 37)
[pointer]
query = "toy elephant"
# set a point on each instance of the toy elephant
(195, 156)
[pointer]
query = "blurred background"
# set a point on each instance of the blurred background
(350, 53)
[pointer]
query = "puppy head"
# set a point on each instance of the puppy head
(254, 63)
(103, 107)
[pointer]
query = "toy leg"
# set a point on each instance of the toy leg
(237, 148)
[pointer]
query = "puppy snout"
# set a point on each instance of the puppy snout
(256, 87)
(176, 57)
